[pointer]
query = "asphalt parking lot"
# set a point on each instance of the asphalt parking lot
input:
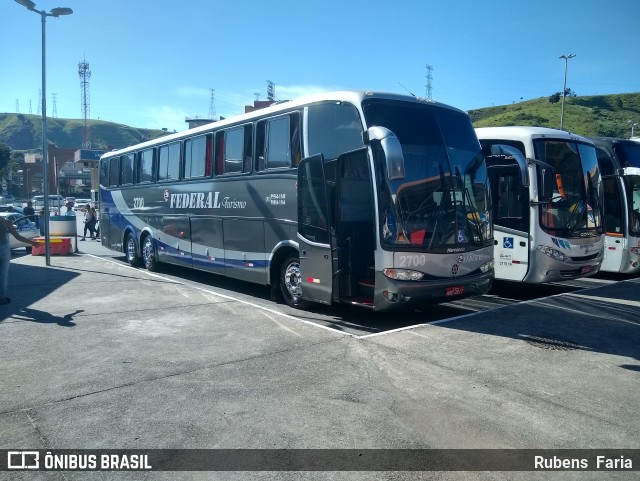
(99, 355)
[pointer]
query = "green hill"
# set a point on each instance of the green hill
(598, 115)
(24, 132)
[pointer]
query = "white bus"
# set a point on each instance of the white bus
(619, 161)
(376, 200)
(547, 203)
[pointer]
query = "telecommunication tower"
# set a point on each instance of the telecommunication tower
(17, 106)
(29, 106)
(271, 91)
(54, 98)
(212, 105)
(39, 101)
(85, 75)
(429, 79)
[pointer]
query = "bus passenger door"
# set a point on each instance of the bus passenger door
(314, 231)
(511, 222)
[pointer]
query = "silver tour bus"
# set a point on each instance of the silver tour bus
(371, 199)
(619, 161)
(547, 198)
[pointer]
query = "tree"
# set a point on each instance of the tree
(555, 98)
(5, 155)
(569, 92)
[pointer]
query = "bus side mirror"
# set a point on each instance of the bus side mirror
(393, 157)
(547, 181)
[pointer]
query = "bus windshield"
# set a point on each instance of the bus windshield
(442, 204)
(574, 210)
(628, 154)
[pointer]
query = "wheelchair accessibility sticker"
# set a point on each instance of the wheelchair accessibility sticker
(507, 242)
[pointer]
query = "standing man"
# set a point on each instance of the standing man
(30, 213)
(6, 228)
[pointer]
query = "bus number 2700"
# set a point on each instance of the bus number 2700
(138, 202)
(418, 260)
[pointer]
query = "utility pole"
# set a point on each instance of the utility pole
(429, 79)
(212, 105)
(564, 89)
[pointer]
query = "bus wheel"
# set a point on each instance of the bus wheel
(132, 256)
(149, 254)
(291, 282)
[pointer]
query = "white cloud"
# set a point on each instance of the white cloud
(164, 116)
(193, 92)
(290, 92)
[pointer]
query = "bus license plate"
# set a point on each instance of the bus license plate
(454, 291)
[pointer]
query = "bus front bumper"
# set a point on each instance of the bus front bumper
(392, 294)
(551, 270)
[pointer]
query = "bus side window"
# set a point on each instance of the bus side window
(104, 172)
(219, 153)
(169, 162)
(277, 143)
(296, 149)
(248, 144)
(114, 171)
(145, 166)
(260, 133)
(234, 150)
(195, 157)
(208, 165)
(126, 166)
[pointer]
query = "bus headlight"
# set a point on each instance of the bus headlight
(403, 274)
(553, 253)
(487, 266)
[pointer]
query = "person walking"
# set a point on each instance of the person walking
(6, 228)
(89, 222)
(95, 226)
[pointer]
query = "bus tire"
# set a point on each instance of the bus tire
(291, 282)
(130, 250)
(149, 257)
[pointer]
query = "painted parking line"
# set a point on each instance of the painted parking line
(224, 296)
(608, 300)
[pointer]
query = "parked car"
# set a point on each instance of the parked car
(7, 200)
(54, 201)
(81, 204)
(25, 228)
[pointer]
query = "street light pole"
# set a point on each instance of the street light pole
(56, 12)
(564, 89)
(633, 125)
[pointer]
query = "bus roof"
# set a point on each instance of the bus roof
(353, 96)
(524, 133)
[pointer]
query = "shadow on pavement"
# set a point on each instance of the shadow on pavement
(29, 284)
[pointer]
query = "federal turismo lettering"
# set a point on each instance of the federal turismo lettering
(204, 200)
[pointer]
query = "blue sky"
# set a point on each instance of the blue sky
(153, 62)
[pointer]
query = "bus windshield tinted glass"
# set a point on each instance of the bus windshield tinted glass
(632, 184)
(628, 153)
(574, 210)
(442, 203)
